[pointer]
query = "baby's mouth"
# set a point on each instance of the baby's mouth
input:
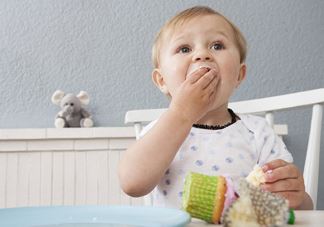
(196, 66)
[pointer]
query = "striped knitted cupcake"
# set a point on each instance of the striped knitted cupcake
(204, 196)
(258, 208)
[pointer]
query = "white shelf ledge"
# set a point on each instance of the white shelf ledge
(66, 133)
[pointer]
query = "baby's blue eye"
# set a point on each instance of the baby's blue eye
(184, 49)
(218, 46)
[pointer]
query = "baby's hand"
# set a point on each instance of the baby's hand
(194, 95)
(286, 180)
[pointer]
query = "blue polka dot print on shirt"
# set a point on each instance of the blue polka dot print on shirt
(168, 182)
(229, 160)
(273, 152)
(215, 167)
(165, 192)
(193, 148)
(180, 194)
(199, 163)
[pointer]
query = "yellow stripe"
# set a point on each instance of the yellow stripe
(219, 199)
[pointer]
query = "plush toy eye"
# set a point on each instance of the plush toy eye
(72, 104)
(65, 104)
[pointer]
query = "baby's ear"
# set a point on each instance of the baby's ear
(242, 74)
(159, 81)
(57, 97)
(83, 97)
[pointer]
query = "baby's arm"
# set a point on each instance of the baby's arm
(145, 162)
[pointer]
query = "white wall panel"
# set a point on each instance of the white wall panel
(3, 183)
(34, 179)
(103, 177)
(57, 178)
(62, 167)
(11, 180)
(69, 178)
(80, 180)
(46, 177)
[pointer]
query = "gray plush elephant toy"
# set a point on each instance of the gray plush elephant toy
(72, 113)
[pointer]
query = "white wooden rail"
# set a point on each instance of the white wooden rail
(44, 167)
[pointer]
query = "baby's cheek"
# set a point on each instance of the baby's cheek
(225, 88)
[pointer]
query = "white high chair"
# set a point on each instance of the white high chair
(266, 107)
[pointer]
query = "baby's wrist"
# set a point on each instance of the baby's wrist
(306, 204)
(180, 115)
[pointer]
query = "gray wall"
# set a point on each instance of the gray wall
(103, 47)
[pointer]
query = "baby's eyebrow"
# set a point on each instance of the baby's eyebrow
(222, 34)
(179, 38)
(217, 32)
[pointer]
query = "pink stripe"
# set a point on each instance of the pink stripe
(230, 196)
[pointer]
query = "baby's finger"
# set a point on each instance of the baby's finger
(206, 79)
(283, 185)
(211, 87)
(197, 74)
(285, 172)
(274, 164)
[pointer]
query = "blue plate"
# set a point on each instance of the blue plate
(92, 216)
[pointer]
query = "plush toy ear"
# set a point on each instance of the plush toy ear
(83, 97)
(57, 97)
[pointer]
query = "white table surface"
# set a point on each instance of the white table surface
(303, 218)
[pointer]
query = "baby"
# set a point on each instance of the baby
(199, 60)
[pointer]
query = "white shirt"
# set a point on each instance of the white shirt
(232, 151)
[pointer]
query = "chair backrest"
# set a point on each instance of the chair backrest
(266, 107)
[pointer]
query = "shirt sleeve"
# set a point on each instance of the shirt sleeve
(269, 145)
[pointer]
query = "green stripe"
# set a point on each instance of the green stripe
(199, 195)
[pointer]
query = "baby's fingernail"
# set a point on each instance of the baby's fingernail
(269, 171)
(204, 68)
(268, 175)
(264, 168)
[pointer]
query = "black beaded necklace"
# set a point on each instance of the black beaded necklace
(216, 127)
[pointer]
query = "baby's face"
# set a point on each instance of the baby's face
(202, 41)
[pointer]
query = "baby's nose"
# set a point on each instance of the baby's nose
(202, 58)
(202, 55)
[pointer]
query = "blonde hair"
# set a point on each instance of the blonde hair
(184, 16)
